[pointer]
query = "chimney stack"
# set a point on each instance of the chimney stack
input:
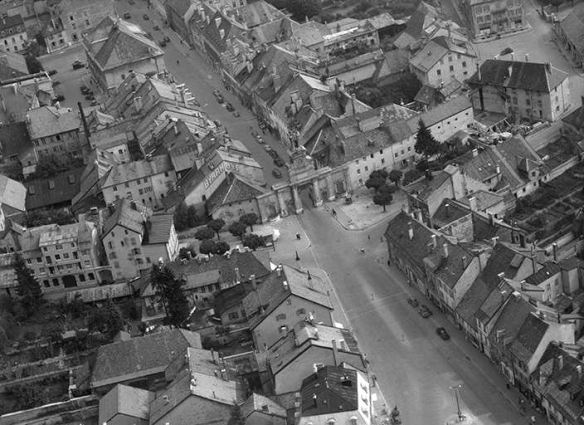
(464, 262)
(555, 248)
(434, 241)
(237, 275)
(533, 261)
(560, 362)
(410, 231)
(445, 246)
(475, 152)
(335, 353)
(472, 203)
(419, 216)
(579, 372)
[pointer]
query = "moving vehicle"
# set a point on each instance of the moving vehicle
(127, 15)
(413, 302)
(162, 43)
(78, 65)
(442, 333)
(277, 173)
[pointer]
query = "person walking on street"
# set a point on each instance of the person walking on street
(177, 62)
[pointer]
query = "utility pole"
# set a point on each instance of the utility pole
(458, 412)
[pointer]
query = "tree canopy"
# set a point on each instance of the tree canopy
(253, 241)
(395, 176)
(185, 217)
(207, 246)
(169, 289)
(216, 226)
(302, 9)
(383, 198)
(204, 233)
(29, 289)
(249, 219)
(106, 320)
(426, 144)
(238, 229)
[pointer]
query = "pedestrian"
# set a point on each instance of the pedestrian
(508, 386)
(532, 419)
(368, 237)
(334, 213)
(363, 250)
(389, 263)
(298, 236)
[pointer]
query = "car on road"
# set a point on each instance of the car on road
(127, 15)
(162, 43)
(442, 333)
(236, 114)
(220, 98)
(146, 17)
(424, 311)
(167, 39)
(273, 153)
(52, 72)
(254, 134)
(78, 65)
(277, 173)
(279, 162)
(260, 139)
(229, 107)
(156, 27)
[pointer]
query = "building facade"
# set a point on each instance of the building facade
(13, 37)
(491, 17)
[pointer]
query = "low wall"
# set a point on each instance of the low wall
(57, 410)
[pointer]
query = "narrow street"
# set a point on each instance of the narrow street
(188, 67)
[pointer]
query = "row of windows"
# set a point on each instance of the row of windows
(451, 68)
(12, 31)
(56, 283)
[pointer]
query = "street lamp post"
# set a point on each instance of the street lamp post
(455, 389)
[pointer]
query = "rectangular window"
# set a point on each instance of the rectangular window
(358, 171)
(115, 188)
(451, 68)
(57, 257)
(90, 276)
(438, 72)
(65, 255)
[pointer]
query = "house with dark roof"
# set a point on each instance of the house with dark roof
(116, 48)
(261, 410)
(124, 404)
(284, 297)
(305, 349)
(336, 394)
(569, 32)
(12, 65)
(13, 35)
(204, 278)
(140, 362)
(442, 60)
(558, 385)
(55, 192)
(201, 389)
(79, 16)
(24, 93)
(520, 90)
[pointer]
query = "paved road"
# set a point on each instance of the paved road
(414, 367)
(188, 67)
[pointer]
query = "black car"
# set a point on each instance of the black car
(146, 17)
(277, 173)
(78, 65)
(52, 72)
(424, 311)
(442, 333)
(273, 153)
(229, 107)
(162, 43)
(279, 162)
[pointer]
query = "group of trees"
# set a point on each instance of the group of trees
(185, 217)
(171, 295)
(42, 217)
(300, 9)
(383, 192)
(51, 165)
(402, 91)
(238, 229)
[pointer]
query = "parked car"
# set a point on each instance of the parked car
(254, 134)
(442, 333)
(156, 27)
(229, 107)
(146, 17)
(52, 72)
(260, 139)
(277, 173)
(220, 98)
(78, 65)
(167, 39)
(162, 43)
(273, 153)
(424, 311)
(127, 15)
(236, 114)
(279, 162)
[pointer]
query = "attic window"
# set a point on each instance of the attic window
(346, 382)
(51, 184)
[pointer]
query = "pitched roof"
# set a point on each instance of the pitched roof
(573, 27)
(138, 169)
(49, 120)
(435, 50)
(472, 301)
(509, 323)
(530, 76)
(441, 112)
(260, 403)
(128, 214)
(330, 390)
(12, 65)
(548, 270)
(305, 335)
(159, 228)
(142, 356)
(56, 190)
(14, 139)
(12, 193)
(127, 401)
(528, 338)
(277, 287)
(233, 189)
(126, 43)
